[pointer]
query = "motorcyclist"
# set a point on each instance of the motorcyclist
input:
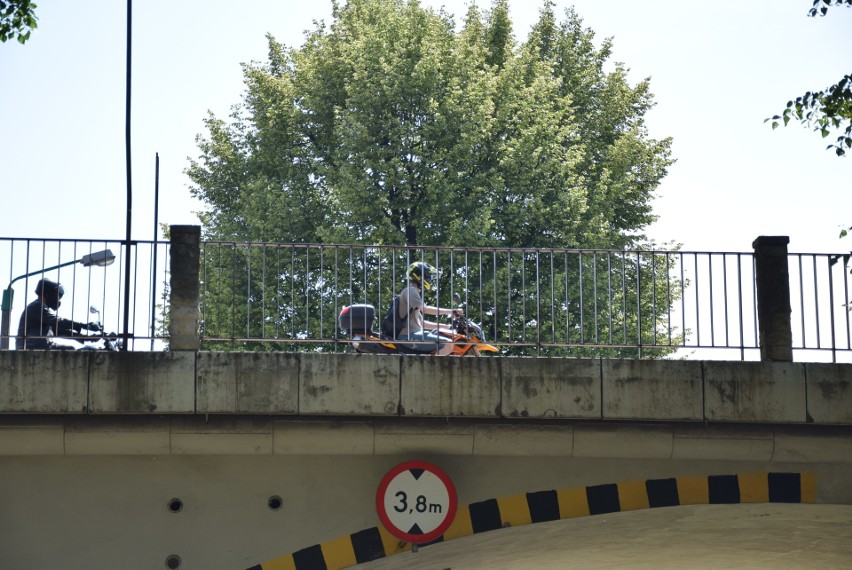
(39, 320)
(420, 277)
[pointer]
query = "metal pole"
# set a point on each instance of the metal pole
(125, 334)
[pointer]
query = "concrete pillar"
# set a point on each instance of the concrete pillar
(184, 254)
(773, 298)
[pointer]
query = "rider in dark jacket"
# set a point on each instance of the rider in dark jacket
(40, 320)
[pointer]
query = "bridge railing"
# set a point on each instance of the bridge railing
(93, 281)
(529, 301)
(550, 302)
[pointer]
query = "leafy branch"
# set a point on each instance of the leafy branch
(17, 20)
(827, 109)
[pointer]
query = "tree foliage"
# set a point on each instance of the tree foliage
(17, 20)
(394, 126)
(391, 127)
(826, 110)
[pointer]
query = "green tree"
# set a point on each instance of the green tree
(393, 126)
(827, 109)
(17, 20)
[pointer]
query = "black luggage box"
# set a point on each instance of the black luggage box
(357, 318)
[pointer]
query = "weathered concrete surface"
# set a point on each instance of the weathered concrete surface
(551, 388)
(335, 384)
(525, 389)
(754, 392)
(142, 383)
(829, 393)
(247, 382)
(450, 387)
(44, 382)
(652, 389)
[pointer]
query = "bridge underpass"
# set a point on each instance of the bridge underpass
(233, 460)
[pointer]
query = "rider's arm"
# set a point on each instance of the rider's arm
(440, 312)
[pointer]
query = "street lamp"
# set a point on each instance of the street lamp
(97, 259)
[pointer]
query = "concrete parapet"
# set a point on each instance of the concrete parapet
(551, 388)
(767, 392)
(348, 384)
(43, 382)
(247, 382)
(829, 389)
(450, 386)
(652, 390)
(142, 383)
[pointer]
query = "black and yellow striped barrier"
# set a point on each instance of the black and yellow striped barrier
(376, 542)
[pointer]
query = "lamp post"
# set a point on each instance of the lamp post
(98, 259)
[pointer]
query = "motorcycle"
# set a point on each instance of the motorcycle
(356, 321)
(88, 341)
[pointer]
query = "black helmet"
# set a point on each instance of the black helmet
(422, 273)
(51, 291)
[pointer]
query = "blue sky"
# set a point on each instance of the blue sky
(717, 69)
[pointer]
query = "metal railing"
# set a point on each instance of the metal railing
(551, 302)
(646, 304)
(93, 292)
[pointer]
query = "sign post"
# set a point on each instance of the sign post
(416, 502)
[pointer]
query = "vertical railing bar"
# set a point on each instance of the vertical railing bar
(538, 302)
(248, 290)
(802, 300)
(846, 297)
(567, 300)
(293, 310)
(725, 298)
(624, 296)
(639, 303)
(495, 316)
(278, 300)
(609, 294)
(263, 291)
(683, 298)
(582, 302)
(132, 337)
(509, 292)
(712, 308)
(552, 298)
(669, 298)
(697, 302)
(816, 303)
(595, 296)
(754, 300)
(831, 311)
(740, 302)
(654, 296)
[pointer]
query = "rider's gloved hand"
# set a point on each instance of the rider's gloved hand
(94, 327)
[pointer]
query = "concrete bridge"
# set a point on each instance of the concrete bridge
(192, 459)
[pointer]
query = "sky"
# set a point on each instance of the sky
(717, 70)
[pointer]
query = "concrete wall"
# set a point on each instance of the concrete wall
(393, 386)
(125, 460)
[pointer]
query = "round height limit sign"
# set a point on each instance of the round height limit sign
(416, 502)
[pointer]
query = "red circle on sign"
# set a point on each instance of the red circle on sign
(404, 534)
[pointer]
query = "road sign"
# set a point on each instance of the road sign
(416, 502)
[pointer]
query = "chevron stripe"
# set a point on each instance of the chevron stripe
(541, 506)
